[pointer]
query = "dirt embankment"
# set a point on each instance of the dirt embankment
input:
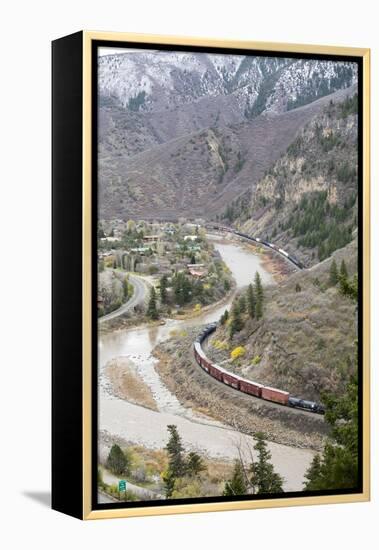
(196, 389)
(126, 384)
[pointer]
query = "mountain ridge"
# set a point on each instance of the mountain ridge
(157, 80)
(307, 202)
(205, 169)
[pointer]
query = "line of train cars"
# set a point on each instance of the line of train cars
(258, 240)
(292, 259)
(248, 386)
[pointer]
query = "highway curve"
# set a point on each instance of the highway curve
(139, 296)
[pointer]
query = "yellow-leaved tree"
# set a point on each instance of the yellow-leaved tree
(237, 352)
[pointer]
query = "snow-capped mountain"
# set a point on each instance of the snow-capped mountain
(184, 133)
(146, 81)
(306, 80)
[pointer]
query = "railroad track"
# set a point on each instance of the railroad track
(246, 386)
(225, 229)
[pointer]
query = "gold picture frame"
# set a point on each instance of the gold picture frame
(84, 43)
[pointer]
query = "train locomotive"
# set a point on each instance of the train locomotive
(248, 386)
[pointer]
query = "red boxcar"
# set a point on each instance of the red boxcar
(230, 380)
(200, 357)
(252, 388)
(197, 352)
(272, 394)
(206, 364)
(246, 386)
(215, 372)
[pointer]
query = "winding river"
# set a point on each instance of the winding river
(141, 425)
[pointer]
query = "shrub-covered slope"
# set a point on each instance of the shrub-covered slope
(304, 343)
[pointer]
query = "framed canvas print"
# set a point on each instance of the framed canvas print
(210, 275)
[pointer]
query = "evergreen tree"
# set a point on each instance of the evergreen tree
(176, 463)
(224, 317)
(194, 465)
(258, 296)
(321, 250)
(197, 291)
(333, 273)
(264, 478)
(182, 288)
(226, 285)
(117, 462)
(175, 449)
(237, 484)
(297, 287)
(242, 303)
(338, 465)
(152, 310)
(343, 279)
(251, 301)
(349, 287)
(236, 323)
(314, 470)
(193, 259)
(343, 271)
(187, 289)
(163, 289)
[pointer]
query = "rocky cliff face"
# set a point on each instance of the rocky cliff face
(307, 201)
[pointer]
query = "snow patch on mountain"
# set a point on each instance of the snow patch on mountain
(307, 80)
(156, 81)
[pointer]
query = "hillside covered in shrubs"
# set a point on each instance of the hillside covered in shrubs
(303, 340)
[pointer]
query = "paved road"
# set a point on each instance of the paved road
(143, 493)
(139, 296)
(102, 498)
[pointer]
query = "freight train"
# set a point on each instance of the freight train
(258, 240)
(292, 259)
(248, 386)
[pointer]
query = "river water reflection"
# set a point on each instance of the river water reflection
(243, 266)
